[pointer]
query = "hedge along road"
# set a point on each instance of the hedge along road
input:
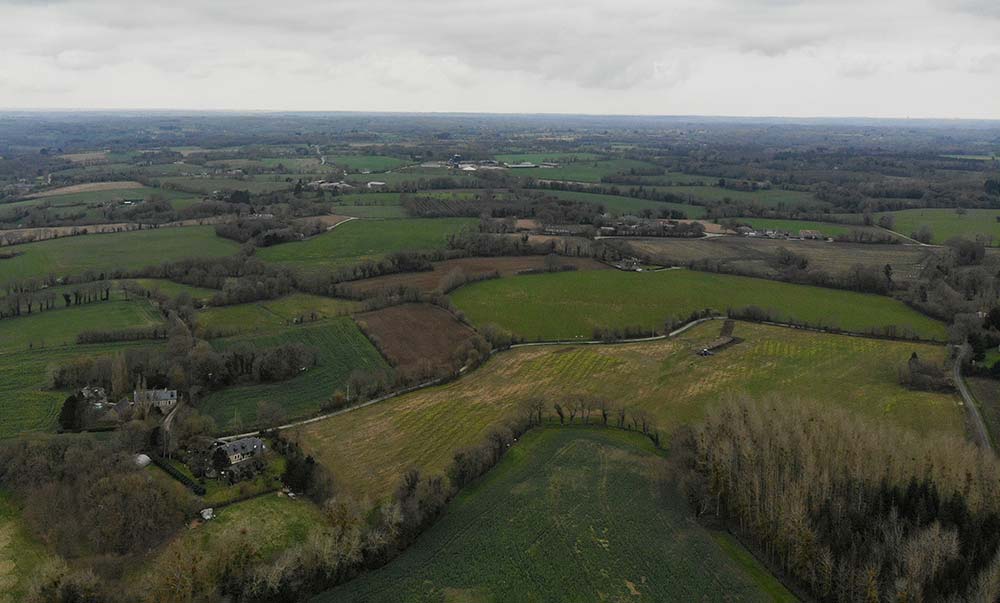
(465, 369)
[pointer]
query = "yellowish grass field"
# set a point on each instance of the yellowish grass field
(369, 448)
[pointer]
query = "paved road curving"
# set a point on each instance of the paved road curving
(979, 432)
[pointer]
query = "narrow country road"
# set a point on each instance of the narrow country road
(979, 433)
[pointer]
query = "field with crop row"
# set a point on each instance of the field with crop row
(572, 304)
(372, 446)
(620, 205)
(364, 239)
(563, 504)
(341, 348)
(415, 335)
(108, 252)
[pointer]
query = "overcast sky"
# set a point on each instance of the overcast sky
(880, 58)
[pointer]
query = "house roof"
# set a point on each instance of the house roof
(242, 446)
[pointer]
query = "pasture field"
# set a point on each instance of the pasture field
(628, 205)
(108, 252)
(20, 555)
(583, 171)
(26, 403)
(365, 240)
(371, 447)
(432, 280)
(829, 229)
(60, 326)
(564, 504)
(374, 163)
(945, 223)
(583, 301)
(168, 287)
(341, 348)
(370, 205)
(766, 198)
(415, 335)
(758, 254)
(273, 314)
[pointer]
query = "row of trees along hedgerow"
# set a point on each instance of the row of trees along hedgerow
(849, 511)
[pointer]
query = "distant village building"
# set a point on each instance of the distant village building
(375, 184)
(810, 234)
(521, 165)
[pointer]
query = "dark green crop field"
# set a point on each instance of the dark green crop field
(572, 304)
(570, 514)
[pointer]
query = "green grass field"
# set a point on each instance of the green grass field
(570, 514)
(571, 304)
(374, 163)
(365, 239)
(767, 198)
(370, 448)
(945, 223)
(628, 205)
(59, 327)
(20, 555)
(106, 252)
(341, 348)
(272, 315)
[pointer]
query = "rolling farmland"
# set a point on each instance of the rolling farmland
(341, 348)
(108, 252)
(587, 300)
(371, 447)
(567, 503)
(364, 240)
(415, 335)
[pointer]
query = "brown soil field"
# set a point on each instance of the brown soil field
(756, 254)
(86, 188)
(411, 335)
(432, 279)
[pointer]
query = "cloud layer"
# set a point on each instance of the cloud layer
(888, 58)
